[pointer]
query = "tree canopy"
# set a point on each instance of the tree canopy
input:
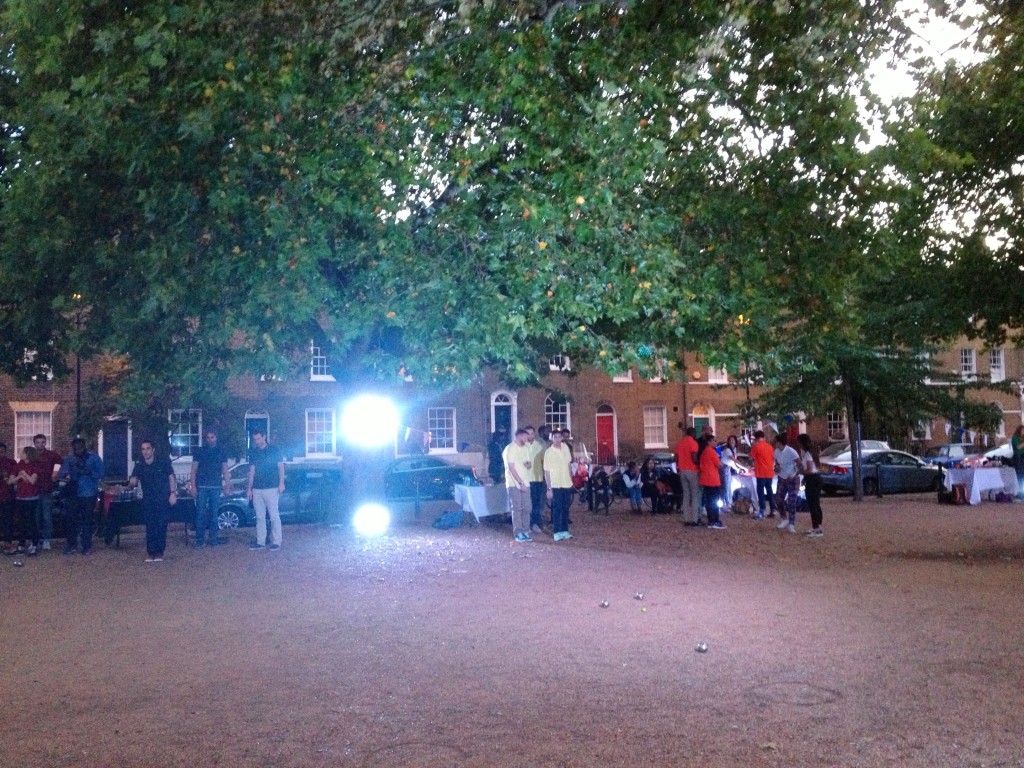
(429, 188)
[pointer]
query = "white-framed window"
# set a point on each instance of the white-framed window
(31, 419)
(556, 412)
(320, 432)
(186, 430)
(835, 423)
(968, 362)
(922, 430)
(997, 364)
(560, 363)
(718, 376)
(441, 425)
(655, 426)
(319, 368)
(623, 378)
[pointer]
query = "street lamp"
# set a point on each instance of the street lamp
(78, 364)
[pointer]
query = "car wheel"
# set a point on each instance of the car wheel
(830, 491)
(228, 517)
(870, 486)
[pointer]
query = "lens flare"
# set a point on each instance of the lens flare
(371, 520)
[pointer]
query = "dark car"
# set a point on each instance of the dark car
(425, 478)
(895, 471)
(312, 494)
(952, 454)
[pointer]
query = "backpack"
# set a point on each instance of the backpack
(958, 494)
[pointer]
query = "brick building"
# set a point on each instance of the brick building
(611, 417)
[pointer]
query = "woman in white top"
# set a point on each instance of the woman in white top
(812, 484)
(729, 465)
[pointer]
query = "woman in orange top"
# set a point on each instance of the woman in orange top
(711, 480)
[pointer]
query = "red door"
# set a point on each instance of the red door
(606, 438)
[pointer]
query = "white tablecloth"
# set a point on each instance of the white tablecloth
(744, 481)
(482, 500)
(978, 481)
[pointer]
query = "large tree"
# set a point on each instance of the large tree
(960, 144)
(206, 185)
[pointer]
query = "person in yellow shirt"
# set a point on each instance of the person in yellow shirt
(537, 446)
(517, 465)
(558, 476)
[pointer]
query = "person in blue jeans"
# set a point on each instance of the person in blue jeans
(84, 470)
(209, 477)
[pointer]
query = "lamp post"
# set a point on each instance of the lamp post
(78, 364)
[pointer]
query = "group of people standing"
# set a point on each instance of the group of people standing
(789, 465)
(703, 481)
(27, 493)
(26, 496)
(537, 469)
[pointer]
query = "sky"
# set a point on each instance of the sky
(938, 40)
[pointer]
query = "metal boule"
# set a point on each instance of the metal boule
(604, 603)
(702, 647)
(638, 596)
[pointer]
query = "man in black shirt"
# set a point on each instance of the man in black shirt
(209, 477)
(159, 494)
(266, 484)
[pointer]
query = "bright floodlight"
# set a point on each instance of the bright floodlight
(369, 420)
(371, 520)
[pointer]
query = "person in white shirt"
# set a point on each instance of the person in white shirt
(787, 493)
(812, 484)
(730, 449)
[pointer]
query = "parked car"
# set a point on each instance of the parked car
(951, 454)
(837, 451)
(895, 471)
(1000, 455)
(312, 493)
(425, 478)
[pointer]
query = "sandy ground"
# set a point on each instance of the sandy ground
(896, 640)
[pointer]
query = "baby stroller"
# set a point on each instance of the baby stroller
(601, 491)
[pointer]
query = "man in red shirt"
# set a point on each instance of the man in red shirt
(8, 469)
(764, 473)
(689, 479)
(49, 463)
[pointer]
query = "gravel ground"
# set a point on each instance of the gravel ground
(896, 640)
